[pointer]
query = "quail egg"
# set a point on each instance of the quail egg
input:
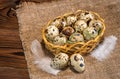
(77, 62)
(51, 32)
(60, 40)
(71, 20)
(67, 31)
(90, 33)
(86, 16)
(60, 61)
(97, 24)
(58, 24)
(80, 25)
(76, 37)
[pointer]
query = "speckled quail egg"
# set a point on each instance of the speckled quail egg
(76, 37)
(67, 31)
(97, 24)
(60, 40)
(71, 20)
(51, 31)
(80, 25)
(86, 16)
(90, 33)
(60, 61)
(77, 62)
(58, 23)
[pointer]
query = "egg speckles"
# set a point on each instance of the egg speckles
(90, 33)
(77, 62)
(51, 32)
(97, 24)
(86, 16)
(68, 31)
(76, 37)
(60, 40)
(57, 22)
(71, 20)
(60, 61)
(80, 25)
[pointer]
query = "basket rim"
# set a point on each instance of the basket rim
(72, 45)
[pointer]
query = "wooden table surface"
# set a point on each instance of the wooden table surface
(12, 60)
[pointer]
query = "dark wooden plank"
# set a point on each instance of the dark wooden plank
(12, 60)
(13, 73)
(10, 43)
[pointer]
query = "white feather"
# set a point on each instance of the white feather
(42, 61)
(105, 49)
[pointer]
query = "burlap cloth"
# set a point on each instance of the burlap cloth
(33, 16)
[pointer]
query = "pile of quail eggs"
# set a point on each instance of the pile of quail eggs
(71, 29)
(74, 28)
(62, 61)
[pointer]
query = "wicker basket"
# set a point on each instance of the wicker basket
(79, 47)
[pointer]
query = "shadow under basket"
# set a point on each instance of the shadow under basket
(80, 47)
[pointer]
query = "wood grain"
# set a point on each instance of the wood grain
(13, 73)
(12, 60)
